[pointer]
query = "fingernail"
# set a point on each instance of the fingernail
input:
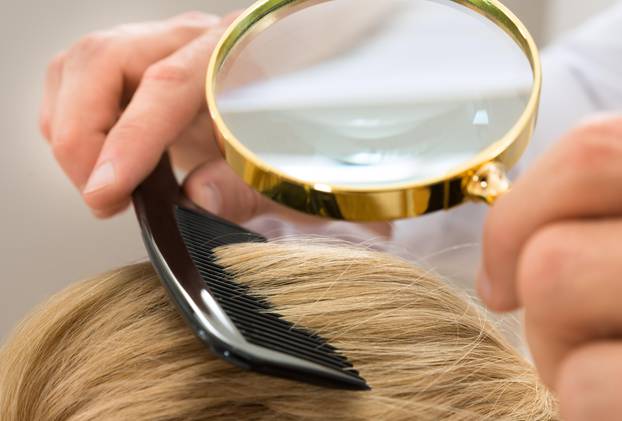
(212, 199)
(484, 286)
(102, 177)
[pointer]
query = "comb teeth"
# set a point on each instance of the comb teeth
(253, 316)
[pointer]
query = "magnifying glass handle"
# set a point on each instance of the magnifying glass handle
(488, 183)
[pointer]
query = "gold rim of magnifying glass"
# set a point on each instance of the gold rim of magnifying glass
(481, 178)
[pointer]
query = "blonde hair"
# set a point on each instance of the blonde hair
(115, 348)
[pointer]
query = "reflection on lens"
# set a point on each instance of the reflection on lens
(367, 93)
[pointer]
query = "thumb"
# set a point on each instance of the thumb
(215, 187)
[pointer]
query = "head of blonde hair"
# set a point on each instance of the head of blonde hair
(115, 348)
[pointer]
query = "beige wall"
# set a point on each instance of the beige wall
(47, 237)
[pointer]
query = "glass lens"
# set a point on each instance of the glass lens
(373, 93)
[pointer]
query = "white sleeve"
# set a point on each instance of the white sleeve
(582, 76)
(593, 55)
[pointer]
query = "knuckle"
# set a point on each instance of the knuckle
(64, 141)
(168, 71)
(541, 267)
(196, 16)
(57, 62)
(92, 45)
(127, 30)
(592, 146)
(62, 151)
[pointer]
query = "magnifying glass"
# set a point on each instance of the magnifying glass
(370, 110)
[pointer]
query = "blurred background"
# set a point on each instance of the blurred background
(48, 238)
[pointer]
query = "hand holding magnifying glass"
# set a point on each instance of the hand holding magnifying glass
(117, 99)
(111, 105)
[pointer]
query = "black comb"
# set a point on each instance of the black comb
(236, 325)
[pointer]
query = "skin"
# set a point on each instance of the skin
(552, 245)
(131, 79)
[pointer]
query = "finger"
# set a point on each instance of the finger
(53, 80)
(172, 34)
(215, 187)
(580, 177)
(589, 385)
(569, 283)
(95, 74)
(107, 213)
(168, 99)
(196, 142)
